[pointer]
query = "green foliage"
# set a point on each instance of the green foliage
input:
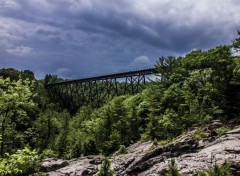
(236, 42)
(106, 129)
(122, 124)
(220, 131)
(16, 107)
(15, 75)
(191, 90)
(105, 169)
(51, 79)
(48, 153)
(217, 170)
(199, 135)
(155, 142)
(164, 142)
(47, 128)
(172, 169)
(199, 94)
(81, 135)
(122, 150)
(23, 162)
(60, 142)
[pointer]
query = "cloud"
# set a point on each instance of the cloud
(159, 23)
(64, 72)
(141, 62)
(9, 33)
(21, 51)
(7, 4)
(95, 37)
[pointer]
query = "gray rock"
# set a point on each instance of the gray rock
(84, 166)
(224, 149)
(52, 164)
(146, 159)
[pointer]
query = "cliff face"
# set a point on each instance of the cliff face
(191, 154)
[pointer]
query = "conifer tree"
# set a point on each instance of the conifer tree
(172, 169)
(217, 170)
(105, 169)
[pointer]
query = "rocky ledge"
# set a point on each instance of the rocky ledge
(144, 159)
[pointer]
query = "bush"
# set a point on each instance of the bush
(199, 136)
(155, 142)
(217, 170)
(172, 169)
(122, 150)
(221, 131)
(23, 162)
(105, 169)
(48, 153)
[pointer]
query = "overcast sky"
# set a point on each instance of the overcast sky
(81, 38)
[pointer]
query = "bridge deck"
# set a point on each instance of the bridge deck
(105, 77)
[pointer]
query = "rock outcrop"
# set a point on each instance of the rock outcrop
(80, 166)
(221, 150)
(144, 159)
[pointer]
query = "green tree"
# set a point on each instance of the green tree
(47, 126)
(60, 142)
(105, 169)
(82, 132)
(172, 169)
(10, 73)
(23, 162)
(217, 170)
(221, 63)
(200, 94)
(115, 125)
(15, 105)
(236, 42)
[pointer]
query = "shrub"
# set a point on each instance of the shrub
(48, 153)
(22, 163)
(221, 131)
(105, 169)
(164, 142)
(122, 150)
(172, 169)
(199, 136)
(217, 170)
(155, 142)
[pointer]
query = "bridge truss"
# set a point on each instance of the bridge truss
(95, 91)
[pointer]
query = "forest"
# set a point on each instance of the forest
(192, 90)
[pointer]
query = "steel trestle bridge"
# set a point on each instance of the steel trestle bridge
(95, 91)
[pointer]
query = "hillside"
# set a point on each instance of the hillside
(144, 158)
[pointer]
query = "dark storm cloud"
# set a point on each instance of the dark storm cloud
(79, 38)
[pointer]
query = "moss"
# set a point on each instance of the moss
(199, 135)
